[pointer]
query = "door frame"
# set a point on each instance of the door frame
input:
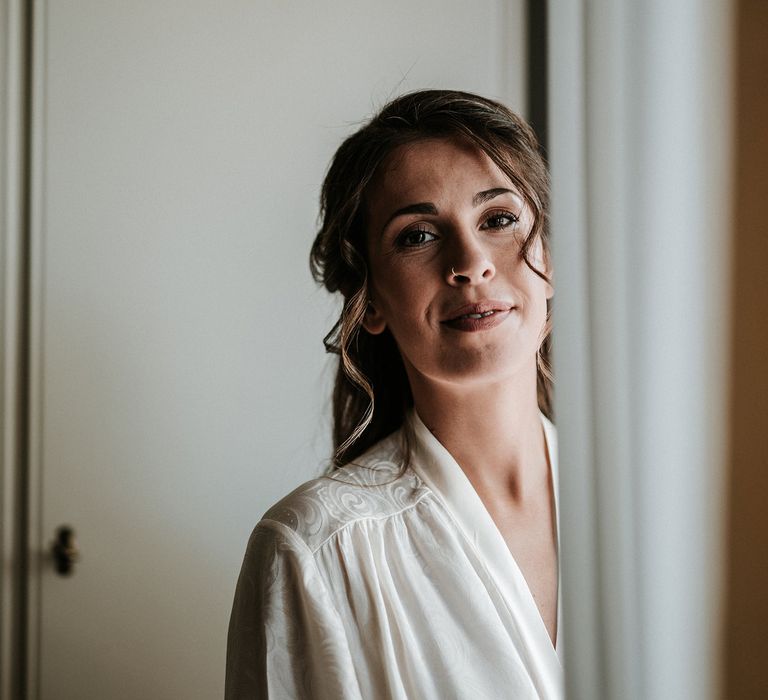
(22, 37)
(15, 26)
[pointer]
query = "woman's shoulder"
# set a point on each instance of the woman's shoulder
(375, 486)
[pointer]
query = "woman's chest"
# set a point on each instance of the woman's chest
(532, 540)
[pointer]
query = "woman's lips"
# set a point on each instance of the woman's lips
(472, 323)
(478, 317)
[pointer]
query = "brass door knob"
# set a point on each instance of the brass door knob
(64, 550)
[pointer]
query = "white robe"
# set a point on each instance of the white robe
(376, 582)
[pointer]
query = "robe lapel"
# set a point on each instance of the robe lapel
(551, 438)
(440, 471)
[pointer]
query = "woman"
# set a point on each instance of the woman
(425, 564)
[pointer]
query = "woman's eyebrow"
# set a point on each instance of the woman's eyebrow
(420, 208)
(485, 195)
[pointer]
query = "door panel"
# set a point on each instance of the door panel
(181, 381)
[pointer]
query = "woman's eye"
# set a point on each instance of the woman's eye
(500, 220)
(414, 238)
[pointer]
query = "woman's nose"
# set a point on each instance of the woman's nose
(468, 262)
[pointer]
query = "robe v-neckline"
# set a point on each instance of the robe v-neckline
(440, 471)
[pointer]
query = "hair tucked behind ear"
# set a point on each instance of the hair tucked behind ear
(371, 393)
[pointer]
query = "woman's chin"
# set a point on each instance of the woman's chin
(473, 368)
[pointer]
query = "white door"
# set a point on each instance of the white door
(178, 375)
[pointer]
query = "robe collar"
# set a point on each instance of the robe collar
(440, 471)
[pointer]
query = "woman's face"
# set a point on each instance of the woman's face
(446, 276)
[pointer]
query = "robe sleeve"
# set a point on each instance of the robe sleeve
(286, 639)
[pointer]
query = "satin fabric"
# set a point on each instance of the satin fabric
(385, 581)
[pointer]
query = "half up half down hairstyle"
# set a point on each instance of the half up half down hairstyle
(371, 393)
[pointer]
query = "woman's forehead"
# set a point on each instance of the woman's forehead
(423, 167)
(427, 152)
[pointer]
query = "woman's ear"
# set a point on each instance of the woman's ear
(373, 321)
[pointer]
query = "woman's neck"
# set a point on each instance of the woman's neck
(492, 430)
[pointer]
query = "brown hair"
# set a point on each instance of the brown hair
(371, 393)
